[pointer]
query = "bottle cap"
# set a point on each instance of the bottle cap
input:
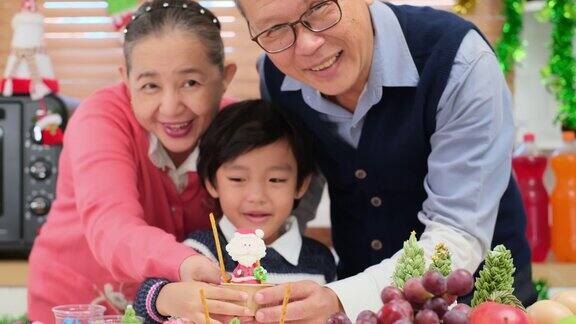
(568, 136)
(529, 137)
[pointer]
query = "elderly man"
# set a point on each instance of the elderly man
(413, 129)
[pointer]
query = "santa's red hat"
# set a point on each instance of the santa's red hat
(246, 231)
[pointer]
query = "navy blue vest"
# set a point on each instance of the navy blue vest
(393, 151)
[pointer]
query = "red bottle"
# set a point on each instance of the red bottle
(529, 165)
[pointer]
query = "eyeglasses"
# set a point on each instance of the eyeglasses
(318, 18)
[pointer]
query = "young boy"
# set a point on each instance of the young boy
(256, 162)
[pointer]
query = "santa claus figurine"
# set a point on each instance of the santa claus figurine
(50, 129)
(247, 248)
(28, 69)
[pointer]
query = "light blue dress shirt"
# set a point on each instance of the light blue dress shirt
(470, 163)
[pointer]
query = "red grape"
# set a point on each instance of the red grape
(395, 310)
(455, 317)
(426, 316)
(415, 292)
(434, 282)
(463, 308)
(339, 318)
(367, 321)
(405, 306)
(460, 282)
(438, 305)
(403, 321)
(367, 317)
(390, 313)
(389, 293)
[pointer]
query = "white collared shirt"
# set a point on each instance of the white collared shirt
(159, 157)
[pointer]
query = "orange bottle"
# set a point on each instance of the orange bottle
(563, 200)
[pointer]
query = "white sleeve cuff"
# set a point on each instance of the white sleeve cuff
(356, 294)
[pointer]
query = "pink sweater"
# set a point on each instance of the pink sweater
(117, 218)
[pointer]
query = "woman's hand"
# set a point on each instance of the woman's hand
(199, 268)
(182, 300)
(309, 303)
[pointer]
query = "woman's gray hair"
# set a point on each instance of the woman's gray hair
(158, 17)
(240, 8)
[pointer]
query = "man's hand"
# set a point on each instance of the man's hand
(309, 303)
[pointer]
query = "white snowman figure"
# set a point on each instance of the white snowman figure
(247, 248)
(28, 69)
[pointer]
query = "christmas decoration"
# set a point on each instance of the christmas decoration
(441, 261)
(8, 319)
(496, 275)
(285, 300)
(509, 47)
(411, 263)
(542, 289)
(559, 73)
(464, 7)
(121, 12)
(247, 248)
(130, 316)
(223, 274)
(50, 129)
(205, 306)
(431, 297)
(48, 125)
(260, 274)
(28, 69)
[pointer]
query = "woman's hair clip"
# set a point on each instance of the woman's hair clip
(167, 5)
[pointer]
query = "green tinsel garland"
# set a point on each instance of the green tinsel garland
(559, 73)
(509, 47)
(464, 7)
(118, 6)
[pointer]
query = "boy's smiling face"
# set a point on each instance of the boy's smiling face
(258, 188)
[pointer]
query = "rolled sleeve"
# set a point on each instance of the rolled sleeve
(470, 163)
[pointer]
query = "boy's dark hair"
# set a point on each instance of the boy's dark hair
(247, 125)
